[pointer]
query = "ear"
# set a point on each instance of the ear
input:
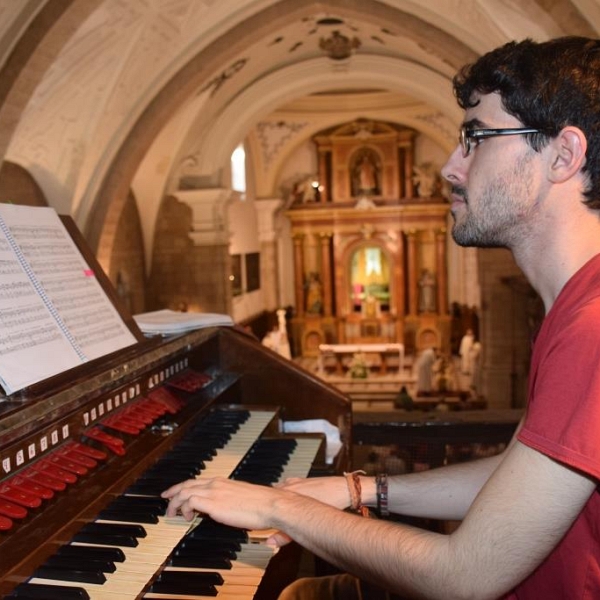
(567, 156)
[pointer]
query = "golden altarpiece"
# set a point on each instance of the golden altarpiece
(369, 238)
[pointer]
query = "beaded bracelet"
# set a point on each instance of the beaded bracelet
(381, 482)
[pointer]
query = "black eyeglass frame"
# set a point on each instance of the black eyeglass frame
(467, 134)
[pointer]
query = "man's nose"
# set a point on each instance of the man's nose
(454, 168)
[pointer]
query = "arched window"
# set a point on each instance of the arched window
(238, 169)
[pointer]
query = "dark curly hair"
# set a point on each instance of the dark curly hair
(547, 86)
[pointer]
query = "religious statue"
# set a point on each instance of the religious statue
(314, 295)
(305, 190)
(464, 351)
(425, 178)
(364, 176)
(427, 291)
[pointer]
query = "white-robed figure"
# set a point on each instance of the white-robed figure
(424, 369)
(466, 344)
(277, 339)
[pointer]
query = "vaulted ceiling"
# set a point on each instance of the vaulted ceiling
(99, 97)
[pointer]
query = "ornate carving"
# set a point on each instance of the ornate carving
(273, 136)
(339, 46)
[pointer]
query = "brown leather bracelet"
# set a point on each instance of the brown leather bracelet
(355, 491)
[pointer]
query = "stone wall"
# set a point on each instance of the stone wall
(185, 276)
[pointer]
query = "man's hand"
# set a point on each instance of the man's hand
(234, 503)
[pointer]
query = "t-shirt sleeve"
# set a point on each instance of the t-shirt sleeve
(563, 411)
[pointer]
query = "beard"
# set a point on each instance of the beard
(500, 215)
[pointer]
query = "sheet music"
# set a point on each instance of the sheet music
(53, 312)
(28, 332)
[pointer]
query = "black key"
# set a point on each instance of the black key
(157, 482)
(176, 582)
(123, 541)
(210, 529)
(127, 514)
(171, 471)
(145, 502)
(204, 562)
(42, 591)
(81, 563)
(92, 553)
(190, 578)
(169, 588)
(208, 545)
(201, 554)
(114, 529)
(68, 574)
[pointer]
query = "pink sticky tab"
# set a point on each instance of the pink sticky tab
(88, 272)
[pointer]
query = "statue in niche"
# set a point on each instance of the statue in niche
(314, 295)
(426, 291)
(365, 176)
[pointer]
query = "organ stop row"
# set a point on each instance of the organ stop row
(85, 454)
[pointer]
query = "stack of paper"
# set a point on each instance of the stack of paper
(170, 322)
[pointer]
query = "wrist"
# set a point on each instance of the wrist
(369, 491)
(381, 490)
(354, 483)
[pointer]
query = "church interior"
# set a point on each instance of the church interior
(246, 158)
(278, 162)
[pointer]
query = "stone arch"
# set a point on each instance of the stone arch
(101, 211)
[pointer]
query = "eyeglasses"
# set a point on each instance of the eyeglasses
(467, 135)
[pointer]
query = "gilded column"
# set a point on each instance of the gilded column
(326, 274)
(412, 272)
(299, 274)
(442, 271)
(266, 212)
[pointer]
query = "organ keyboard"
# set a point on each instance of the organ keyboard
(85, 455)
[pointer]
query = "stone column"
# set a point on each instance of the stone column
(208, 282)
(266, 209)
(411, 238)
(326, 274)
(299, 274)
(442, 272)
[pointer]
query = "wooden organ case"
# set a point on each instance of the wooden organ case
(75, 449)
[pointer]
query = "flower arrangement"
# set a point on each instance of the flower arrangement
(358, 368)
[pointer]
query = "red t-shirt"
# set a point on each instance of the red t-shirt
(563, 422)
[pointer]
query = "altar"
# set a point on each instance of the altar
(381, 358)
(370, 263)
